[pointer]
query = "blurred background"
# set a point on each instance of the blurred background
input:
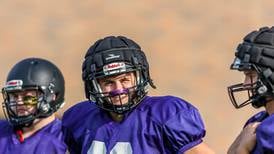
(190, 45)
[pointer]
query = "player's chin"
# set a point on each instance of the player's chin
(22, 114)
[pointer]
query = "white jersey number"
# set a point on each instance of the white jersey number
(98, 147)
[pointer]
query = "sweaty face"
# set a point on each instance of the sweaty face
(118, 87)
(23, 103)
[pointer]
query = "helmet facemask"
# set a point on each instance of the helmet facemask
(22, 114)
(119, 100)
(243, 94)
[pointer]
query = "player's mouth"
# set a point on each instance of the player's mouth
(120, 99)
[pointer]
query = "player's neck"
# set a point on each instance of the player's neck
(37, 125)
(116, 117)
(269, 107)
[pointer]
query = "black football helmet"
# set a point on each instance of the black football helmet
(113, 56)
(39, 75)
(255, 53)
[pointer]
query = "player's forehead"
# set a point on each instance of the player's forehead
(28, 92)
(250, 72)
(117, 77)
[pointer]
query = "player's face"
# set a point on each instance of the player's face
(23, 103)
(241, 94)
(118, 83)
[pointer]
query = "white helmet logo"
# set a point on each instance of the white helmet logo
(112, 56)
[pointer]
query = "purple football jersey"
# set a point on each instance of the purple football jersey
(157, 125)
(264, 133)
(48, 140)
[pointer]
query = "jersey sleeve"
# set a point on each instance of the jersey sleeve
(184, 130)
(265, 135)
(72, 125)
(258, 117)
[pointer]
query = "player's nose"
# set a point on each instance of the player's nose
(118, 85)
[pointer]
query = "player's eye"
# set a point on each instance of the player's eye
(125, 80)
(12, 96)
(30, 100)
(107, 83)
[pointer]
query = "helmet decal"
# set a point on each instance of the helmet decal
(114, 68)
(14, 85)
(112, 56)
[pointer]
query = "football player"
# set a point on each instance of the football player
(119, 117)
(255, 58)
(33, 92)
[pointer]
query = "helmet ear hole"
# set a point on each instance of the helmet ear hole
(44, 107)
(50, 97)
